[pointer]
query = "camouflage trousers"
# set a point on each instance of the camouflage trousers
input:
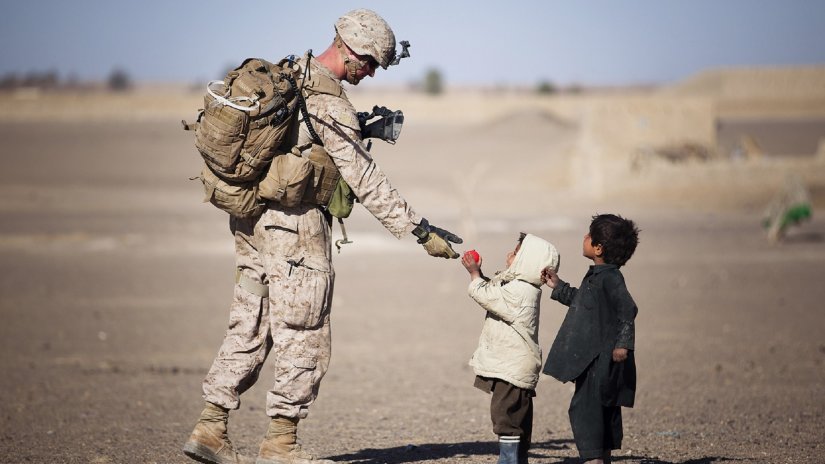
(287, 252)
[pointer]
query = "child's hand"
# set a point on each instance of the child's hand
(469, 263)
(619, 355)
(549, 277)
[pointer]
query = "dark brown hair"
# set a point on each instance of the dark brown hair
(617, 236)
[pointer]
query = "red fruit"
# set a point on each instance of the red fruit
(475, 255)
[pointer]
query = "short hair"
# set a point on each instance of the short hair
(617, 236)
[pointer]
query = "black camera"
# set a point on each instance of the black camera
(387, 127)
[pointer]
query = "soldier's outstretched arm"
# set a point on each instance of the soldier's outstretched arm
(337, 124)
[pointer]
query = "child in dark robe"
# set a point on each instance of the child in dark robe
(595, 344)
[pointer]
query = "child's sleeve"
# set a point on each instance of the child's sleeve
(626, 312)
(490, 297)
(564, 293)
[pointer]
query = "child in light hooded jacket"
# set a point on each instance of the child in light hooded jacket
(508, 358)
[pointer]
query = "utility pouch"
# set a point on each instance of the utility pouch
(342, 200)
(328, 188)
(287, 179)
(238, 199)
(325, 177)
(304, 295)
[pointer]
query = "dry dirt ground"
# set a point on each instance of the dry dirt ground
(115, 283)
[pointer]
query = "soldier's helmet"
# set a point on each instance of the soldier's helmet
(366, 33)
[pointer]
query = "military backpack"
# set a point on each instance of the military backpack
(240, 134)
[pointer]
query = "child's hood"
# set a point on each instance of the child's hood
(534, 255)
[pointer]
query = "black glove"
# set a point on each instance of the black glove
(436, 240)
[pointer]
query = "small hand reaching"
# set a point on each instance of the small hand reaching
(549, 277)
(472, 266)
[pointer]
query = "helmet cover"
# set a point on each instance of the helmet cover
(367, 33)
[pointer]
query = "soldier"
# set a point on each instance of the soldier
(285, 277)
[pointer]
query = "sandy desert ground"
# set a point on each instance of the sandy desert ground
(115, 282)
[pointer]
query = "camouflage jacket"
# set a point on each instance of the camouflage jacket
(334, 119)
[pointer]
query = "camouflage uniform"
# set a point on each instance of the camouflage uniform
(288, 250)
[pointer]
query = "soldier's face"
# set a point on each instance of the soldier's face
(366, 66)
(369, 67)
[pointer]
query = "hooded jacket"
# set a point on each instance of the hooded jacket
(508, 347)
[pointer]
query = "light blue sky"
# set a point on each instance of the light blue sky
(470, 42)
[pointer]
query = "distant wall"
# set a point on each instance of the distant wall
(615, 129)
(755, 83)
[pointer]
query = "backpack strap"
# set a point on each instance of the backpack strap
(302, 106)
(317, 83)
(314, 82)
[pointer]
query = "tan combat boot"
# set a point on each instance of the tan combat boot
(280, 445)
(209, 441)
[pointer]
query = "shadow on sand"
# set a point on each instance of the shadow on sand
(428, 452)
